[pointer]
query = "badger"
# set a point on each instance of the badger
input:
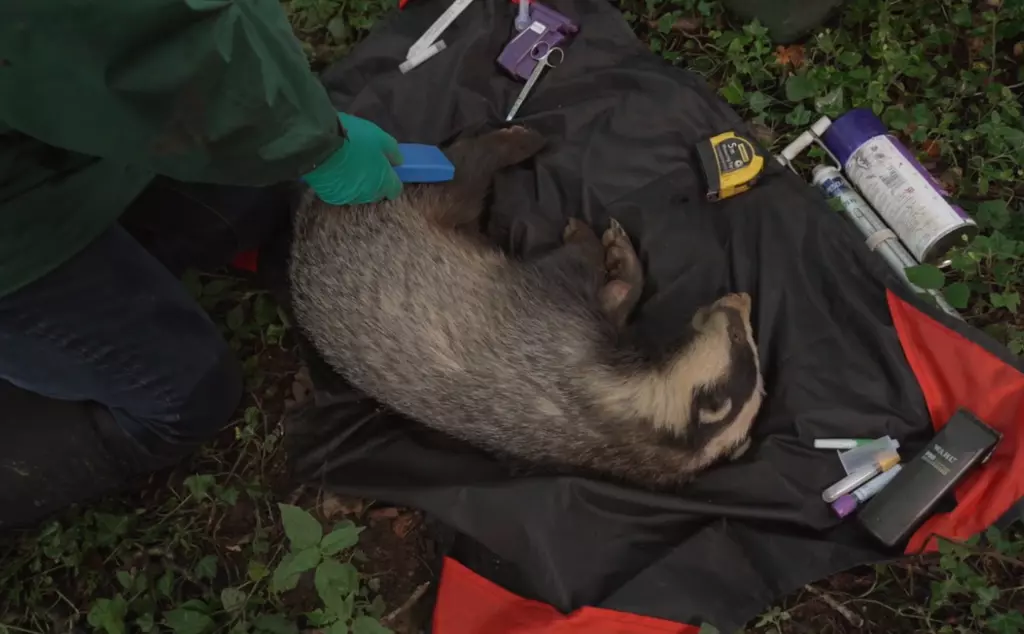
(531, 359)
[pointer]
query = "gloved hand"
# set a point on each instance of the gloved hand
(361, 170)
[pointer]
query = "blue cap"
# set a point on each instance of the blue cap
(424, 164)
(850, 131)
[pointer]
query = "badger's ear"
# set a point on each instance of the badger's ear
(700, 318)
(714, 410)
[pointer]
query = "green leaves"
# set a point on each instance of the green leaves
(897, 117)
(758, 101)
(286, 576)
(1010, 300)
(831, 103)
(957, 295)
(302, 529)
(926, 276)
(338, 627)
(108, 615)
(235, 319)
(800, 87)
(199, 486)
(207, 567)
(345, 536)
(336, 582)
(232, 599)
(368, 625)
(993, 213)
(275, 624)
(191, 618)
(849, 58)
(733, 92)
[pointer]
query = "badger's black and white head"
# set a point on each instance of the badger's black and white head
(720, 374)
(726, 399)
(705, 396)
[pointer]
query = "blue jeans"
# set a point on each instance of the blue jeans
(108, 370)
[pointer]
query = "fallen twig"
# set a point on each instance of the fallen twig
(416, 595)
(854, 619)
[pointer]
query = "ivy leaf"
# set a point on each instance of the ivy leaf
(125, 579)
(993, 213)
(368, 625)
(274, 624)
(108, 615)
(335, 581)
(217, 288)
(264, 311)
(733, 92)
(800, 87)
(987, 594)
(165, 585)
(377, 607)
(897, 117)
(338, 28)
(1011, 301)
(199, 486)
(207, 567)
(228, 496)
(831, 102)
(235, 318)
(318, 618)
(186, 620)
(232, 599)
(849, 58)
(257, 570)
(241, 627)
(957, 295)
(926, 276)
(758, 101)
(346, 535)
(1010, 622)
(302, 529)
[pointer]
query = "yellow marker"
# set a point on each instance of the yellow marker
(731, 165)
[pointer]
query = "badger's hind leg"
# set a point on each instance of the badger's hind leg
(476, 160)
(612, 264)
(624, 275)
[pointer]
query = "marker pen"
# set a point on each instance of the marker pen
(840, 443)
(883, 462)
(848, 503)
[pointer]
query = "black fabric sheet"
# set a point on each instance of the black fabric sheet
(623, 125)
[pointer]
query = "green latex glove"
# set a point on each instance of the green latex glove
(361, 170)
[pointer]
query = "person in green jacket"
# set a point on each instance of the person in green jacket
(108, 368)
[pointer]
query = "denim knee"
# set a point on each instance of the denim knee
(195, 417)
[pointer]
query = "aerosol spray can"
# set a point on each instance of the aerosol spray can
(877, 235)
(905, 195)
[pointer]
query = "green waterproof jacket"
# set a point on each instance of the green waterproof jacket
(98, 96)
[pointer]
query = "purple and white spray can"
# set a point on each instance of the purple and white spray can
(900, 189)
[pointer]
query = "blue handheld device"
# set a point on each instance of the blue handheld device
(424, 164)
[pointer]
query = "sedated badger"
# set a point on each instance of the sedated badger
(527, 359)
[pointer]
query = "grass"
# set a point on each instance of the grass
(221, 544)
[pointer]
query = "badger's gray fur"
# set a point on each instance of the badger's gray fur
(529, 359)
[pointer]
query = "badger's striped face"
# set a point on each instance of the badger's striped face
(726, 399)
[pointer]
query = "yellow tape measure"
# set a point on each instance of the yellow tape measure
(731, 165)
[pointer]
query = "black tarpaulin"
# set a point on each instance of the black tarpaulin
(623, 124)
